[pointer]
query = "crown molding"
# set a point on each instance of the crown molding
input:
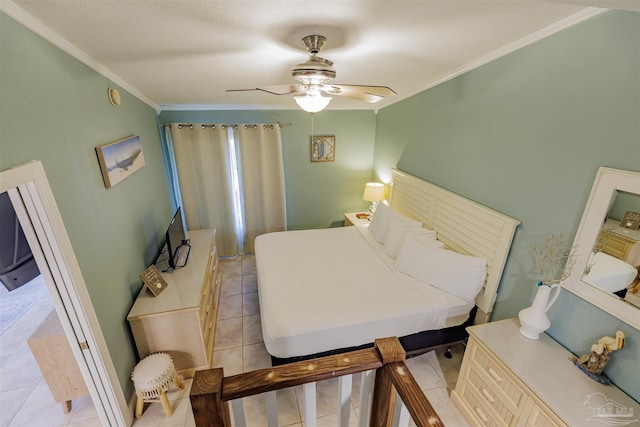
(557, 26)
(243, 107)
(220, 107)
(17, 13)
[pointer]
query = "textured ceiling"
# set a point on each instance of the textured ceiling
(187, 53)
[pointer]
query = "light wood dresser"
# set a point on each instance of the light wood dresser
(181, 319)
(509, 380)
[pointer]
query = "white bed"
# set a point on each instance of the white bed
(322, 290)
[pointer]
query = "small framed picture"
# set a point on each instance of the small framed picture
(118, 160)
(631, 220)
(323, 148)
(153, 280)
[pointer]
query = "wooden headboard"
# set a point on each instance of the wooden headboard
(463, 225)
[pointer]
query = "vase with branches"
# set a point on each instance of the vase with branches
(553, 259)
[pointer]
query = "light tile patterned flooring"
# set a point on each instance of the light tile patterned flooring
(25, 399)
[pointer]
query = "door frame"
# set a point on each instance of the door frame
(38, 213)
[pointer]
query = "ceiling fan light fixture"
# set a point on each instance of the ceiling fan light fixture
(312, 103)
(315, 76)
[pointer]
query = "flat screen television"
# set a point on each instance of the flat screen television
(177, 243)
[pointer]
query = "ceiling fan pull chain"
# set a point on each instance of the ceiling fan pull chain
(311, 127)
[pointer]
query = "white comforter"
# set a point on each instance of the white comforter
(326, 289)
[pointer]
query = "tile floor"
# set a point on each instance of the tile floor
(25, 399)
(238, 348)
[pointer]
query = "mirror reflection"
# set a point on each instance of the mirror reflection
(615, 259)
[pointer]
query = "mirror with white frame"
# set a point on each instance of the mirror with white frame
(607, 251)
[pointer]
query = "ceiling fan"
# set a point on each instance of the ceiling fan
(315, 76)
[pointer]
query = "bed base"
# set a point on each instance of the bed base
(414, 344)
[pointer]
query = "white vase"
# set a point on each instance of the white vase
(534, 320)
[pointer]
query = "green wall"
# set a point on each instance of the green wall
(55, 109)
(525, 135)
(317, 193)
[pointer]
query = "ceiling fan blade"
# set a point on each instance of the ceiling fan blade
(370, 94)
(274, 90)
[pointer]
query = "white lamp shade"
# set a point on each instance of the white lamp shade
(312, 103)
(373, 192)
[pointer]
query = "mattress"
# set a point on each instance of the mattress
(327, 289)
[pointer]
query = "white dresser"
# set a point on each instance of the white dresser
(181, 319)
(509, 380)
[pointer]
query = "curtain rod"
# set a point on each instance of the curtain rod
(235, 126)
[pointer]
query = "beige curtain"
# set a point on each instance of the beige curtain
(262, 180)
(202, 163)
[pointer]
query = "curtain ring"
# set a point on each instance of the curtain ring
(190, 126)
(246, 126)
(213, 127)
(179, 126)
(202, 126)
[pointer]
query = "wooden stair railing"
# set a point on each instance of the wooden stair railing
(211, 391)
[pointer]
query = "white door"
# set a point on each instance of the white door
(40, 219)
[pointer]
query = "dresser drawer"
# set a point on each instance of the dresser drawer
(481, 412)
(206, 311)
(211, 311)
(495, 379)
(489, 399)
(208, 335)
(209, 307)
(209, 280)
(205, 298)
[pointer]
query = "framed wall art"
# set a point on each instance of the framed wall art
(323, 148)
(119, 159)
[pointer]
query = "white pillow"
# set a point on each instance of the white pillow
(380, 229)
(457, 274)
(426, 236)
(380, 217)
(399, 229)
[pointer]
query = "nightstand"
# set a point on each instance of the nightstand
(351, 219)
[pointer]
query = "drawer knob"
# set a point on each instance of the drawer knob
(482, 415)
(487, 395)
(494, 374)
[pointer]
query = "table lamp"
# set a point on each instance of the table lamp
(373, 192)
